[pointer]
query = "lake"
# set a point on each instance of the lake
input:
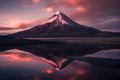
(60, 62)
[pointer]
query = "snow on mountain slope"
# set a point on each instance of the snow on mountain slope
(59, 18)
(59, 25)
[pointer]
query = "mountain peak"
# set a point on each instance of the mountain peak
(58, 12)
(58, 19)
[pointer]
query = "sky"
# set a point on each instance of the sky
(15, 15)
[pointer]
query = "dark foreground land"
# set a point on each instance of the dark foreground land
(86, 40)
(6, 41)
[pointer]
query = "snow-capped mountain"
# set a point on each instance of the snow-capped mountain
(58, 19)
(59, 25)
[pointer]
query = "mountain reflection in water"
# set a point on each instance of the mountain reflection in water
(59, 62)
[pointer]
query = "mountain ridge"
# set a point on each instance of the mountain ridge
(59, 25)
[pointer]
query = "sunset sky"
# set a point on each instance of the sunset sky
(101, 14)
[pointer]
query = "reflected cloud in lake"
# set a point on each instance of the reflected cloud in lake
(58, 62)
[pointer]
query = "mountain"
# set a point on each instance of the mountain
(59, 25)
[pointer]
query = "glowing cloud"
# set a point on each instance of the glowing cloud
(81, 9)
(36, 1)
(48, 9)
(17, 58)
(17, 23)
(48, 71)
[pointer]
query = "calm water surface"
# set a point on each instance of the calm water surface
(57, 62)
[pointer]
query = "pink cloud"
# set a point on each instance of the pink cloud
(19, 26)
(55, 5)
(77, 4)
(36, 1)
(81, 9)
(48, 9)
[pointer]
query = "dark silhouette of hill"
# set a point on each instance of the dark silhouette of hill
(7, 41)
